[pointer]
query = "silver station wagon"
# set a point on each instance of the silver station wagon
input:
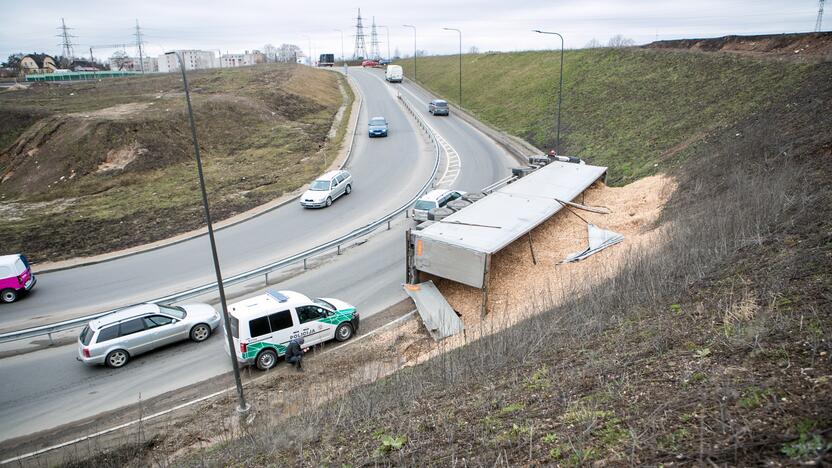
(326, 188)
(114, 338)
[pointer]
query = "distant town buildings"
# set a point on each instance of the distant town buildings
(37, 63)
(241, 60)
(192, 59)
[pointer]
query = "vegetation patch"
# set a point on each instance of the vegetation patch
(117, 155)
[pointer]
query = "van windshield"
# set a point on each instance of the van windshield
(176, 312)
(424, 205)
(319, 185)
(324, 304)
(441, 104)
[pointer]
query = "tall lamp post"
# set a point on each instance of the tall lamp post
(343, 59)
(309, 39)
(560, 90)
(414, 48)
(460, 62)
(242, 407)
(388, 41)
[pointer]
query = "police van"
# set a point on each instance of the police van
(262, 326)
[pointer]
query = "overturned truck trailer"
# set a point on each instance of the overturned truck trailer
(460, 246)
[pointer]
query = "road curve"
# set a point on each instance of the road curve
(387, 172)
(47, 388)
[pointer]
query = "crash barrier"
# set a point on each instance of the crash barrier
(265, 270)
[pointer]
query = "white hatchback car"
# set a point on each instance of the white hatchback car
(433, 199)
(326, 188)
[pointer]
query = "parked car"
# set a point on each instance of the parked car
(16, 277)
(369, 63)
(383, 62)
(115, 338)
(433, 199)
(262, 326)
(439, 107)
(326, 188)
(394, 73)
(378, 127)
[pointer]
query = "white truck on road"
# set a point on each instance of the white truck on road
(394, 74)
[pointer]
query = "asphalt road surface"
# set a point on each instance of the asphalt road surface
(47, 388)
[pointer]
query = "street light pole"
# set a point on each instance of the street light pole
(388, 42)
(460, 62)
(343, 61)
(560, 89)
(242, 407)
(414, 48)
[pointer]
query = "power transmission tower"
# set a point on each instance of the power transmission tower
(360, 46)
(66, 40)
(819, 22)
(374, 54)
(139, 42)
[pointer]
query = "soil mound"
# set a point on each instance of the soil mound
(804, 46)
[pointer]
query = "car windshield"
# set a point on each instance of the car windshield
(441, 104)
(324, 304)
(173, 311)
(424, 205)
(319, 185)
(378, 121)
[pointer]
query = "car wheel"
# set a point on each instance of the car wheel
(266, 359)
(117, 358)
(343, 332)
(349, 189)
(200, 332)
(328, 201)
(8, 295)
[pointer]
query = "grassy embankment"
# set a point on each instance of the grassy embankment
(93, 167)
(631, 110)
(710, 347)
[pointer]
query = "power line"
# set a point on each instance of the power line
(819, 22)
(66, 41)
(374, 53)
(360, 46)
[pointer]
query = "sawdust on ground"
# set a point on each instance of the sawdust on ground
(519, 287)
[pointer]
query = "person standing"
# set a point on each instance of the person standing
(294, 353)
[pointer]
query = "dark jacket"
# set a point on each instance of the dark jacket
(294, 348)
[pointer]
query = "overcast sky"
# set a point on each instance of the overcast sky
(503, 25)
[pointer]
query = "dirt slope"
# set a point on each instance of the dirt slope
(798, 47)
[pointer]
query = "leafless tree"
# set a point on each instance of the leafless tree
(618, 41)
(592, 44)
(474, 50)
(270, 52)
(288, 53)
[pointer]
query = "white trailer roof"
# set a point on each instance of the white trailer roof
(497, 220)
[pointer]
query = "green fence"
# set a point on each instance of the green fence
(79, 76)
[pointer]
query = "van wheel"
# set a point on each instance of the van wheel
(343, 332)
(266, 360)
(328, 201)
(349, 189)
(117, 358)
(8, 295)
(200, 332)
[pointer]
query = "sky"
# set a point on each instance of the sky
(488, 25)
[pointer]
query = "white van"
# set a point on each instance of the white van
(394, 74)
(262, 326)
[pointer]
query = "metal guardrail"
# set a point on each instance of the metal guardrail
(264, 270)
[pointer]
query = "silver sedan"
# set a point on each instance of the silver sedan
(116, 337)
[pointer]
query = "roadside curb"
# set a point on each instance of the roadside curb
(343, 158)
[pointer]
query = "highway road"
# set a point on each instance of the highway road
(387, 172)
(46, 388)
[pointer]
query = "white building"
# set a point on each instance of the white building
(241, 60)
(193, 60)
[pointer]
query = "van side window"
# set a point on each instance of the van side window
(259, 327)
(280, 320)
(310, 313)
(107, 334)
(131, 326)
(6, 272)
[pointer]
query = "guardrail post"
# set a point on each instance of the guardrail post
(51, 343)
(267, 279)
(339, 249)
(388, 224)
(304, 264)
